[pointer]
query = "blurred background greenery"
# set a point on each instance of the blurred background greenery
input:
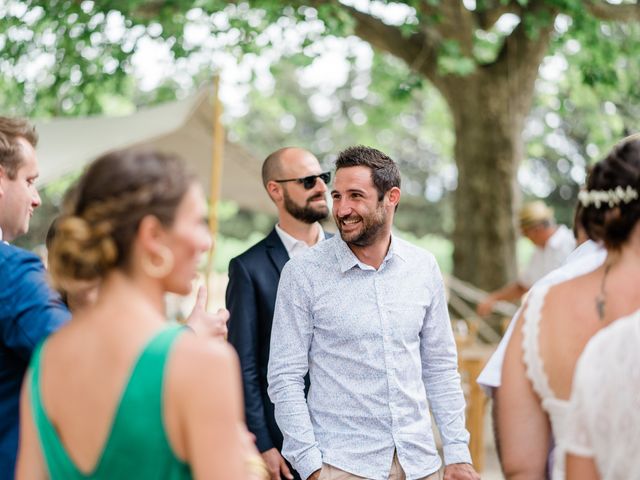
(293, 74)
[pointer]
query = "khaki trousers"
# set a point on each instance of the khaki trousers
(329, 472)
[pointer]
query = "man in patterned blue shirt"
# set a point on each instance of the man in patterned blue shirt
(365, 314)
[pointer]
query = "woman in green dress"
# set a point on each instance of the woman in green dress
(118, 393)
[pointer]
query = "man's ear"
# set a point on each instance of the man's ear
(274, 190)
(393, 196)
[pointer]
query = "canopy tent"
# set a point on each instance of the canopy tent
(184, 127)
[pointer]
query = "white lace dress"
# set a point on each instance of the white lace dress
(555, 407)
(603, 420)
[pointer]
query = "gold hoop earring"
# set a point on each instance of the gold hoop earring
(161, 270)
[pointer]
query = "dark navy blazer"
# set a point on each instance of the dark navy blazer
(251, 298)
(29, 311)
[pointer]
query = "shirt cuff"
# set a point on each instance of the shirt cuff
(309, 463)
(263, 439)
(456, 453)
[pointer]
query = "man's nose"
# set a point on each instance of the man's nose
(341, 208)
(320, 186)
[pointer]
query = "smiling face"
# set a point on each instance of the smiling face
(188, 238)
(18, 196)
(361, 218)
(307, 206)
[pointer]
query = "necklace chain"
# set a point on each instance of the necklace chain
(601, 298)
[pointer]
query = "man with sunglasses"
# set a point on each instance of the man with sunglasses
(297, 186)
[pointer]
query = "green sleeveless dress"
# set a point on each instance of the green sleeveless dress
(137, 446)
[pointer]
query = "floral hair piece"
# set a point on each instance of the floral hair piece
(612, 198)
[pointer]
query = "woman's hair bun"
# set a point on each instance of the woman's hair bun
(104, 209)
(81, 251)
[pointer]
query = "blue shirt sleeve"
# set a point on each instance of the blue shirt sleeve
(29, 308)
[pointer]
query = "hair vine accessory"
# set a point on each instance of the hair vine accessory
(612, 197)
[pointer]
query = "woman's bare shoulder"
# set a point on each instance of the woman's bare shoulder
(194, 357)
(570, 294)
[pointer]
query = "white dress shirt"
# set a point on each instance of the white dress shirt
(548, 258)
(380, 354)
(293, 246)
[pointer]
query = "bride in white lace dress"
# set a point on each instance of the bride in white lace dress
(603, 425)
(558, 321)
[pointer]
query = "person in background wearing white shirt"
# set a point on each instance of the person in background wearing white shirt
(297, 186)
(553, 244)
(365, 315)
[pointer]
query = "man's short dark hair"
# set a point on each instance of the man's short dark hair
(11, 156)
(384, 171)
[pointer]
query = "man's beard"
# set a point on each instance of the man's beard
(306, 213)
(371, 227)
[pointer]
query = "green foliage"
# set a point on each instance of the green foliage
(452, 61)
(386, 107)
(62, 57)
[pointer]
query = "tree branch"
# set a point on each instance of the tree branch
(523, 52)
(520, 44)
(490, 12)
(454, 22)
(418, 50)
(624, 12)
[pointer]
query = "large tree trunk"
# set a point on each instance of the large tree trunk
(488, 150)
(489, 109)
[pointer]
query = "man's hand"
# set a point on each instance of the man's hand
(205, 324)
(315, 475)
(276, 464)
(460, 471)
(485, 307)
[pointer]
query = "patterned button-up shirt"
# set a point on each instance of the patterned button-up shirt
(380, 353)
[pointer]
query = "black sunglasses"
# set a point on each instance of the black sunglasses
(309, 182)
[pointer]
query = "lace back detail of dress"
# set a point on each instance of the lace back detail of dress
(531, 344)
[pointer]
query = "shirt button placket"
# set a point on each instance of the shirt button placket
(387, 349)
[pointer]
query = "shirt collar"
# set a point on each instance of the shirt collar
(347, 259)
(291, 242)
(0, 234)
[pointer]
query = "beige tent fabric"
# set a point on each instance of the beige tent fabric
(184, 127)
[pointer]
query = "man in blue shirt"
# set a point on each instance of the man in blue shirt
(365, 314)
(29, 309)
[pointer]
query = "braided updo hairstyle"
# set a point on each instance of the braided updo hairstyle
(102, 214)
(621, 168)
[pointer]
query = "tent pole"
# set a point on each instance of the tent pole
(215, 181)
